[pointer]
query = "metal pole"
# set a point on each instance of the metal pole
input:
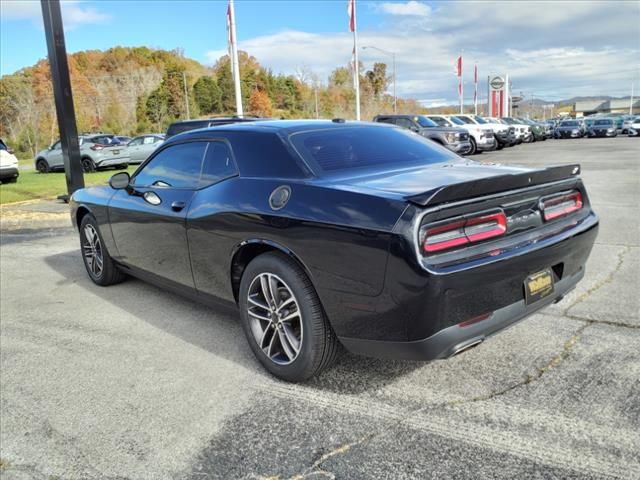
(356, 65)
(186, 94)
(631, 101)
(461, 83)
(236, 65)
(315, 91)
(57, 52)
(395, 97)
(489, 112)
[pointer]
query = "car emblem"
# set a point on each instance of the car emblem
(524, 220)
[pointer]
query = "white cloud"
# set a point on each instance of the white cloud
(411, 8)
(552, 52)
(73, 13)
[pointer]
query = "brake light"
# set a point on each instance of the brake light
(463, 231)
(96, 147)
(561, 205)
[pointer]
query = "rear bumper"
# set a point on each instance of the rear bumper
(110, 162)
(420, 313)
(454, 339)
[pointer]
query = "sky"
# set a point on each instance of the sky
(551, 50)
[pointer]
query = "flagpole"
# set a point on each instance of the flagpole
(356, 66)
(236, 66)
(461, 82)
(475, 92)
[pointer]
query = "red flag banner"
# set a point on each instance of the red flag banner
(459, 66)
(229, 36)
(351, 10)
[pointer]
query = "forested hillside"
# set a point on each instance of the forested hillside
(135, 90)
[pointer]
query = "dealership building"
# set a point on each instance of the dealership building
(590, 107)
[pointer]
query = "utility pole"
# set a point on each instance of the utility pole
(631, 101)
(186, 94)
(57, 53)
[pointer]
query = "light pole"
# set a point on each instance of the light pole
(393, 57)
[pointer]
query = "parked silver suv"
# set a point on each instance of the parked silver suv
(97, 151)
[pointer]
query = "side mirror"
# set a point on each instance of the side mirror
(120, 180)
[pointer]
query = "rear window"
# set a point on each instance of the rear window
(181, 127)
(340, 149)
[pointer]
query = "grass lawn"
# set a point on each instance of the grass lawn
(32, 185)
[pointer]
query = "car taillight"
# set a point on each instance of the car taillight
(560, 205)
(96, 147)
(463, 231)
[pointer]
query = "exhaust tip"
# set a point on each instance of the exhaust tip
(466, 346)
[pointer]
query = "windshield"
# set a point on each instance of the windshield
(603, 122)
(335, 150)
(441, 122)
(569, 124)
(510, 121)
(466, 120)
(480, 120)
(425, 122)
(456, 120)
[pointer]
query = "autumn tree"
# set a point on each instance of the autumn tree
(207, 95)
(260, 104)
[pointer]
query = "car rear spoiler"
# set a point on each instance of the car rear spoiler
(489, 185)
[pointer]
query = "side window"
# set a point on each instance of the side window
(177, 166)
(149, 140)
(218, 163)
(57, 145)
(404, 123)
(135, 142)
(386, 120)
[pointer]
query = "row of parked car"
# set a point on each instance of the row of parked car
(101, 150)
(597, 126)
(463, 134)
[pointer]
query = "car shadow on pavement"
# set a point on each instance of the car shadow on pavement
(218, 330)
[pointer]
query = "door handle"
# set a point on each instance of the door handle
(177, 206)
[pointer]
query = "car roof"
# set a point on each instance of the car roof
(286, 127)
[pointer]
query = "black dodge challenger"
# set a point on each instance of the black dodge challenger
(330, 232)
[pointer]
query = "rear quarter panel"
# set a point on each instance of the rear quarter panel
(341, 238)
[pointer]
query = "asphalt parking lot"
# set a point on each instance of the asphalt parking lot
(130, 382)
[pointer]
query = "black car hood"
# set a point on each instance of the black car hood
(458, 180)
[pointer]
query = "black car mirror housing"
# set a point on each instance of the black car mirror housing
(120, 180)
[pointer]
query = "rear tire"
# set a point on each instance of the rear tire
(42, 166)
(87, 165)
(100, 266)
(295, 349)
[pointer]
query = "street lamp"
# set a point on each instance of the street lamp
(393, 56)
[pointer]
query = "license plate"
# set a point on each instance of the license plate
(116, 152)
(538, 285)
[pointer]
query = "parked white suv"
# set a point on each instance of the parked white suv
(480, 137)
(8, 164)
(505, 134)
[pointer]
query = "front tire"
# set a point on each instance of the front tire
(42, 166)
(100, 266)
(283, 319)
(474, 146)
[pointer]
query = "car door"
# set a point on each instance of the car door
(208, 222)
(148, 218)
(149, 145)
(134, 146)
(54, 157)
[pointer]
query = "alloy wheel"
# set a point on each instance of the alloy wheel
(92, 250)
(275, 318)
